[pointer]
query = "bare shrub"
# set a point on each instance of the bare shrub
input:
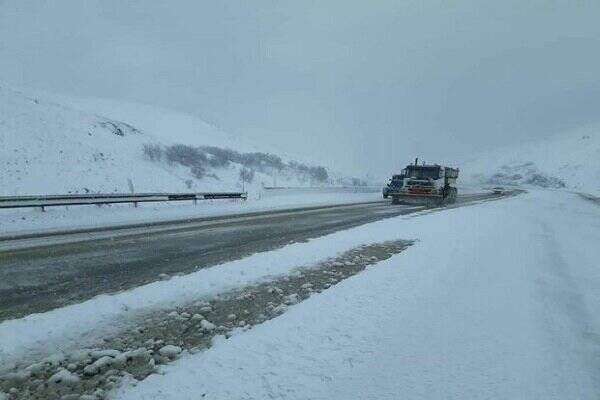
(185, 155)
(188, 156)
(198, 171)
(220, 153)
(262, 161)
(298, 167)
(247, 175)
(201, 159)
(153, 152)
(318, 174)
(219, 157)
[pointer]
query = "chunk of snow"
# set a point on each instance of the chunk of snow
(17, 376)
(79, 355)
(170, 351)
(63, 377)
(205, 309)
(103, 353)
(54, 360)
(37, 368)
(197, 317)
(98, 365)
(291, 299)
(207, 325)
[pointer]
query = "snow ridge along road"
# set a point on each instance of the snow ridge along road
(162, 335)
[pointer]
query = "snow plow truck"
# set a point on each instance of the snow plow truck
(431, 185)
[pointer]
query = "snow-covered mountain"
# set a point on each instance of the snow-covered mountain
(48, 147)
(570, 161)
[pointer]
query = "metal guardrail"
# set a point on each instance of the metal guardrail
(113, 198)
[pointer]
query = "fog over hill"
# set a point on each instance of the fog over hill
(570, 160)
(363, 86)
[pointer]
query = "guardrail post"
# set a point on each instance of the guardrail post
(43, 208)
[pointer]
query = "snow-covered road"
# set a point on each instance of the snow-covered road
(496, 301)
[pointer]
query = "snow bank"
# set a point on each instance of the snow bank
(495, 301)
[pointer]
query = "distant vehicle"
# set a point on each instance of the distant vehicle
(394, 185)
(430, 184)
(498, 190)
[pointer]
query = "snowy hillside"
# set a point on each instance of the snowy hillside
(47, 148)
(570, 161)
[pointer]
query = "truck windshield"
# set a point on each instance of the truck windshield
(423, 172)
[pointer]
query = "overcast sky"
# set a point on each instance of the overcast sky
(367, 84)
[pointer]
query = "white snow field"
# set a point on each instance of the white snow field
(496, 301)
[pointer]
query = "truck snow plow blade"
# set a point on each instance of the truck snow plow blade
(416, 199)
(422, 199)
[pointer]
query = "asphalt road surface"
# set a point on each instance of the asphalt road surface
(38, 274)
